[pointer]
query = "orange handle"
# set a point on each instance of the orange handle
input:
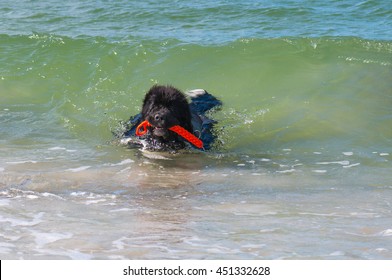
(187, 135)
(142, 128)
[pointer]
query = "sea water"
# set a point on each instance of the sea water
(301, 168)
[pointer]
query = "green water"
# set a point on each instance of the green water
(329, 93)
(302, 163)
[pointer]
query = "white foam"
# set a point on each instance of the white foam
(46, 194)
(43, 238)
(154, 155)
(37, 219)
(286, 171)
(382, 250)
(343, 162)
(319, 171)
(248, 121)
(351, 165)
(125, 141)
(348, 153)
(320, 214)
(269, 230)
(56, 149)
(95, 201)
(21, 162)
(337, 253)
(126, 169)
(119, 243)
(124, 162)
(387, 232)
(78, 169)
(384, 154)
(120, 210)
(78, 193)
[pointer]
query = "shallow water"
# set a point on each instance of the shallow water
(302, 164)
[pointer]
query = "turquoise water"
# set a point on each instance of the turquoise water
(301, 168)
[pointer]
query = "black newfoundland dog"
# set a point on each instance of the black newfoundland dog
(169, 123)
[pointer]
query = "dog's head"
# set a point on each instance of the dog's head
(164, 107)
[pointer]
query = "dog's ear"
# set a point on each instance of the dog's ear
(148, 101)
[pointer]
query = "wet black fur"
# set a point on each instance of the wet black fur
(166, 106)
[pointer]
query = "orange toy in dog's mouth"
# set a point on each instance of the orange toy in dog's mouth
(142, 129)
